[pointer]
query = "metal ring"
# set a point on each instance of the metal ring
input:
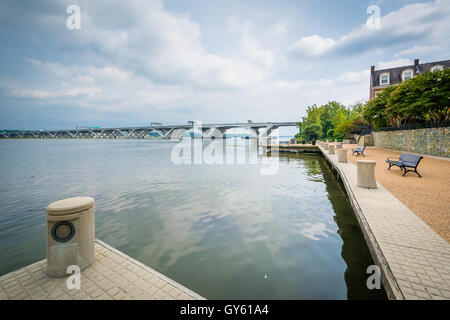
(63, 223)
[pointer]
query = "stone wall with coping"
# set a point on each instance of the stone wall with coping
(433, 141)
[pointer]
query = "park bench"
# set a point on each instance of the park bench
(359, 150)
(406, 161)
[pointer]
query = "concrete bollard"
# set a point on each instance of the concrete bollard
(331, 148)
(342, 155)
(325, 146)
(70, 235)
(366, 174)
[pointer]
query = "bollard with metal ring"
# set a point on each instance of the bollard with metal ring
(70, 235)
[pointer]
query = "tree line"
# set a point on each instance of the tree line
(423, 100)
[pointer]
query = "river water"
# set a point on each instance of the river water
(224, 231)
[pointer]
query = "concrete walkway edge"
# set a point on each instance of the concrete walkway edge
(414, 260)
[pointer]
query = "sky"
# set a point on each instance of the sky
(135, 62)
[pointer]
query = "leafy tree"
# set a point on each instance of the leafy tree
(356, 112)
(343, 129)
(375, 110)
(424, 98)
(313, 114)
(312, 132)
(331, 110)
(434, 97)
(329, 116)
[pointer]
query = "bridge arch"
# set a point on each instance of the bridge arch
(214, 133)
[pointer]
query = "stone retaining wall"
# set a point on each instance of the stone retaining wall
(433, 141)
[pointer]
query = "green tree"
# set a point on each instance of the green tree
(331, 110)
(434, 99)
(312, 132)
(375, 110)
(424, 98)
(356, 112)
(342, 130)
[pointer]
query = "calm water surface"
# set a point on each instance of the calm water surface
(223, 231)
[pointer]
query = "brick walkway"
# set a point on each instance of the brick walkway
(414, 259)
(427, 197)
(114, 276)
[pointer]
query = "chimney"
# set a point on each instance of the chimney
(372, 69)
(416, 62)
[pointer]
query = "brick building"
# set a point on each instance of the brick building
(380, 79)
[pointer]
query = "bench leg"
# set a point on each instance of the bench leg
(415, 171)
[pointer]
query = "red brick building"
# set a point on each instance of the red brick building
(380, 79)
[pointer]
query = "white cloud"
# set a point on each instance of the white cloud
(278, 29)
(352, 77)
(91, 87)
(163, 45)
(313, 45)
(428, 21)
(417, 51)
(138, 58)
(394, 63)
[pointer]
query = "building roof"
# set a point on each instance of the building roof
(395, 74)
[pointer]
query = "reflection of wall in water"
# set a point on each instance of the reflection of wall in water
(355, 252)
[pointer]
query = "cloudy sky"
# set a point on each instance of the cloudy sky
(133, 62)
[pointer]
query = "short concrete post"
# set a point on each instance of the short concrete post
(325, 146)
(366, 174)
(70, 235)
(342, 155)
(331, 148)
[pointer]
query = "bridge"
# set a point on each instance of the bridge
(207, 131)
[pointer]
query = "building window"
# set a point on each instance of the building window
(437, 67)
(407, 74)
(384, 78)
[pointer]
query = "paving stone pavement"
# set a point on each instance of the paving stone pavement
(413, 255)
(113, 276)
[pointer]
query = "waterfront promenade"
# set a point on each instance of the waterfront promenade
(428, 197)
(114, 276)
(414, 259)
